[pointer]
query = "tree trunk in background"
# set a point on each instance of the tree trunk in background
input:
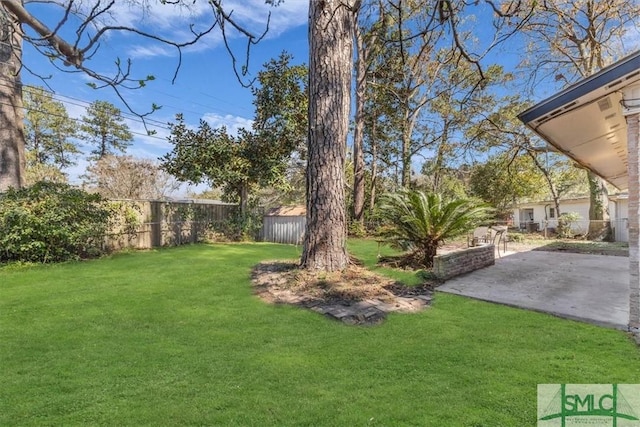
(12, 142)
(599, 221)
(562, 225)
(374, 172)
(358, 132)
(406, 153)
(330, 66)
(244, 199)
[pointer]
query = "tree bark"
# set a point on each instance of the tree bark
(374, 170)
(330, 66)
(12, 141)
(408, 124)
(358, 132)
(599, 221)
(406, 153)
(244, 199)
(437, 167)
(562, 225)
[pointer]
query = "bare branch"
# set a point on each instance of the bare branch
(50, 44)
(72, 56)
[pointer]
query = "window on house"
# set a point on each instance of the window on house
(552, 212)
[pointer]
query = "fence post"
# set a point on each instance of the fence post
(156, 223)
(195, 215)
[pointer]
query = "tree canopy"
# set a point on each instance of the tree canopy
(104, 126)
(252, 158)
(70, 34)
(48, 130)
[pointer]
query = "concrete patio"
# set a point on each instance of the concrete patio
(589, 288)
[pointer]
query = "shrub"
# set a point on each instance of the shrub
(423, 221)
(239, 227)
(356, 229)
(51, 222)
(565, 224)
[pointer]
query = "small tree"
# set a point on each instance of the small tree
(505, 179)
(104, 127)
(253, 158)
(48, 129)
(36, 172)
(235, 163)
(423, 221)
(126, 177)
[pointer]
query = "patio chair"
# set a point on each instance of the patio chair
(499, 235)
(480, 236)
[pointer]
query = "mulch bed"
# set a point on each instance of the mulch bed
(355, 296)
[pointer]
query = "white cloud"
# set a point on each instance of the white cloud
(150, 51)
(172, 23)
(232, 123)
(156, 15)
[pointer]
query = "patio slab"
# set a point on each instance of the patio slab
(588, 288)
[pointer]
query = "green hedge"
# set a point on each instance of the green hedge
(51, 222)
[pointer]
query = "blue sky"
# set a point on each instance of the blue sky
(206, 86)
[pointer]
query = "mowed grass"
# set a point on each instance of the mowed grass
(175, 337)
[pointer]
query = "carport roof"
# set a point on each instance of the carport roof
(585, 121)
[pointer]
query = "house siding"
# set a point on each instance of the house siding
(618, 211)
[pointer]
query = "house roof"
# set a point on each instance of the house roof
(571, 200)
(287, 211)
(585, 121)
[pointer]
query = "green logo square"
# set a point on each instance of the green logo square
(601, 405)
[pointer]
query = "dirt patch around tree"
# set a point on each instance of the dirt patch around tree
(355, 296)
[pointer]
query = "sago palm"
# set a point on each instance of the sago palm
(423, 221)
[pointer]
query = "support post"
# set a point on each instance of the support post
(632, 113)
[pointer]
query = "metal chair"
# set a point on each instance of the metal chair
(499, 234)
(480, 236)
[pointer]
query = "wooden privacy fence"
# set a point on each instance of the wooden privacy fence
(145, 224)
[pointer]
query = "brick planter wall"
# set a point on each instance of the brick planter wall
(455, 263)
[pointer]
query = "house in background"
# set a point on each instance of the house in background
(535, 216)
(596, 122)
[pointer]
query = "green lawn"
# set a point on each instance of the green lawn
(175, 337)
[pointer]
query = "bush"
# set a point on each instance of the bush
(239, 227)
(356, 229)
(565, 224)
(51, 222)
(423, 221)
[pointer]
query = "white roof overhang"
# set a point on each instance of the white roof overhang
(586, 122)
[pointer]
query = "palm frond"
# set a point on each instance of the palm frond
(422, 221)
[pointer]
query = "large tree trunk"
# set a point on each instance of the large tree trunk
(358, 132)
(330, 66)
(599, 221)
(12, 156)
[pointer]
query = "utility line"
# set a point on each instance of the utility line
(80, 121)
(131, 116)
